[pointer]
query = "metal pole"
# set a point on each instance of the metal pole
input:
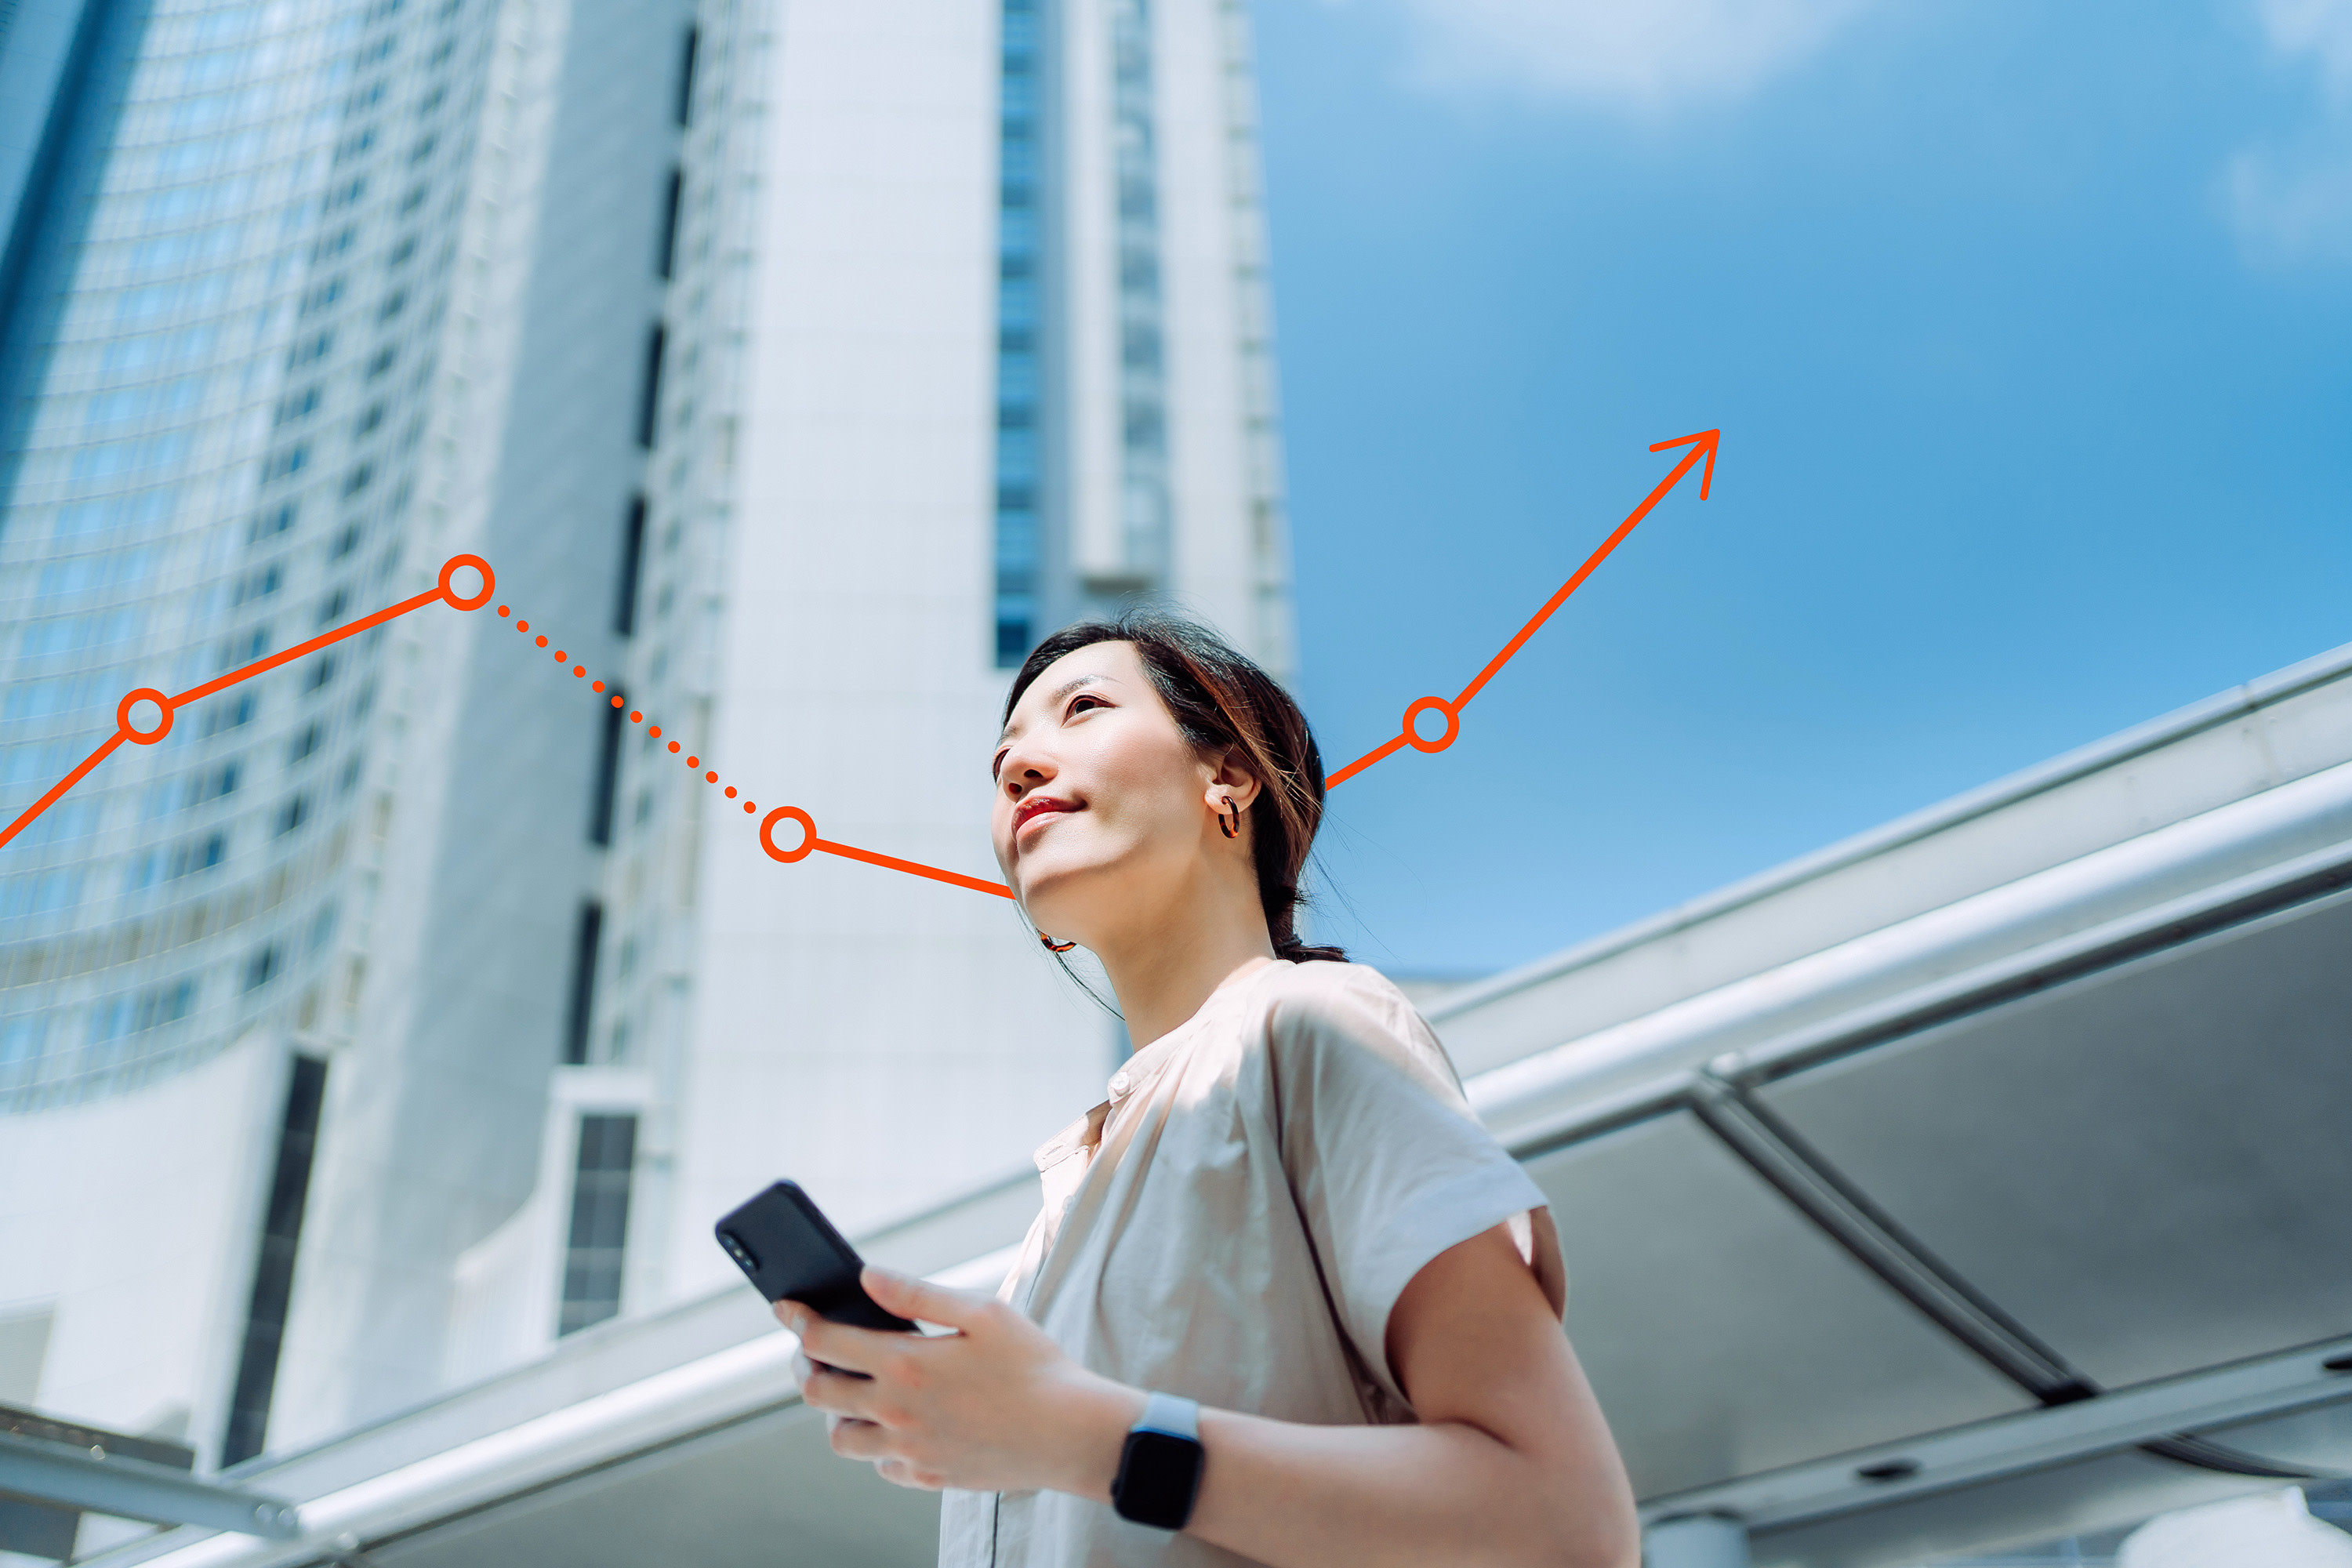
(1696, 1540)
(99, 1482)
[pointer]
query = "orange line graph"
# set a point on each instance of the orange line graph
(124, 730)
(809, 840)
(1701, 445)
(444, 592)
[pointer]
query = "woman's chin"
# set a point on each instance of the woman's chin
(1055, 894)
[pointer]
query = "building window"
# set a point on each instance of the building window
(684, 111)
(669, 223)
(1018, 471)
(649, 393)
(273, 1273)
(583, 984)
(600, 1221)
(608, 772)
(633, 551)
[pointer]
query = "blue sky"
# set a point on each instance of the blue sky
(2026, 326)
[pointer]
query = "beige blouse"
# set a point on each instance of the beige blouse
(1235, 1222)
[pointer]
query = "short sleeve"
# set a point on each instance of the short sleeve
(1389, 1164)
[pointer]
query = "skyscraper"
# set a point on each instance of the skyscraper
(795, 369)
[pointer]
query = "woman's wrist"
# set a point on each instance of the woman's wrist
(1087, 1420)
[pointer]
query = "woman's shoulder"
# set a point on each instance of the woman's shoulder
(1324, 1007)
(1325, 983)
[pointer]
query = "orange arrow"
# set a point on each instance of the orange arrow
(1702, 443)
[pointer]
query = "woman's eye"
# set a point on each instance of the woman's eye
(1075, 701)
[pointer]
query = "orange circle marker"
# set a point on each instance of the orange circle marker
(599, 686)
(731, 791)
(504, 611)
(673, 745)
(750, 806)
(636, 716)
(657, 731)
(710, 778)
(616, 696)
(522, 625)
(768, 828)
(1413, 734)
(541, 641)
(559, 656)
(580, 669)
(449, 569)
(690, 762)
(131, 732)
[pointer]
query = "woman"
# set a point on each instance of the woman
(1284, 1249)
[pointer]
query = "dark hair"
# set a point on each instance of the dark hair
(1223, 700)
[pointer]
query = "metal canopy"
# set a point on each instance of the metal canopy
(2093, 1201)
(2149, 1168)
(1723, 1335)
(767, 1493)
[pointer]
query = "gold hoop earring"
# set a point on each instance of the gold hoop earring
(1052, 946)
(1232, 829)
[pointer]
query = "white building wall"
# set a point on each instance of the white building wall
(129, 1225)
(881, 1038)
(822, 526)
(433, 1134)
(1214, 559)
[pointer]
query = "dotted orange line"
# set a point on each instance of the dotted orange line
(636, 716)
(809, 840)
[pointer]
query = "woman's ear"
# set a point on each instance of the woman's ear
(1230, 776)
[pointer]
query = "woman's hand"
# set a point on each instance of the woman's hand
(995, 1407)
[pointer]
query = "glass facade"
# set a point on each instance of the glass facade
(1019, 470)
(218, 362)
(1143, 388)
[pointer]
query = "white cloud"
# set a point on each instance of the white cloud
(2294, 204)
(2319, 28)
(1645, 56)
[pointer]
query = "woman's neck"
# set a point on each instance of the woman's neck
(1163, 969)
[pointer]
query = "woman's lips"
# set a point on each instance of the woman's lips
(1039, 814)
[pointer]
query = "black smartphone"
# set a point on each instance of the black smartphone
(783, 1241)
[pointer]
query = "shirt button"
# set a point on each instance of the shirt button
(1119, 1083)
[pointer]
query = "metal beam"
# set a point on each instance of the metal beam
(2029, 1440)
(1838, 1207)
(99, 1482)
(1696, 1540)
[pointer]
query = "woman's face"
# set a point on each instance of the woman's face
(1100, 801)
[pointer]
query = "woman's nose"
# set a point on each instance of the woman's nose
(1024, 772)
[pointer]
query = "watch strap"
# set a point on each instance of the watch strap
(1171, 1414)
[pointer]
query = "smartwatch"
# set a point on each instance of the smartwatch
(1160, 1468)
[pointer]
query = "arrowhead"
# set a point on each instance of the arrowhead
(1709, 440)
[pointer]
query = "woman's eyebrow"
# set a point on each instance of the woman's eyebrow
(1059, 692)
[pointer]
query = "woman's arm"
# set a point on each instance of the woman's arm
(1511, 1463)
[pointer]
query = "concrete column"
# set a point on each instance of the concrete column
(1696, 1540)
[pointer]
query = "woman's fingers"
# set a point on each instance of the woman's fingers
(839, 1392)
(834, 1344)
(854, 1440)
(919, 1298)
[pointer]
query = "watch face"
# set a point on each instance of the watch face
(1158, 1477)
